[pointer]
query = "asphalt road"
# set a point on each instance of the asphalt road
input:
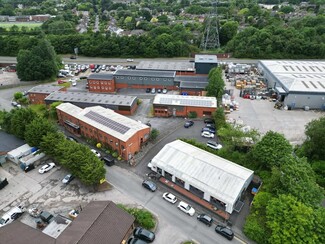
(177, 225)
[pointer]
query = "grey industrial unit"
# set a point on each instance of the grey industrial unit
(119, 103)
(144, 78)
(204, 63)
(179, 67)
(191, 84)
(299, 84)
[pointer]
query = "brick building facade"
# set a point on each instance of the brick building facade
(38, 94)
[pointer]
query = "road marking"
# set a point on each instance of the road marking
(240, 240)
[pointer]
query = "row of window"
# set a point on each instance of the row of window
(100, 82)
(143, 78)
(103, 88)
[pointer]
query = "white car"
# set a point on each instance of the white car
(214, 145)
(96, 153)
(164, 91)
(46, 167)
(186, 208)
(169, 197)
(129, 60)
(207, 134)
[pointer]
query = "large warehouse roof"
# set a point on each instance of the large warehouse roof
(104, 119)
(101, 76)
(92, 98)
(148, 73)
(297, 76)
(221, 178)
(191, 101)
(173, 66)
(45, 89)
(206, 58)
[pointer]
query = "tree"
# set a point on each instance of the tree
(269, 151)
(38, 128)
(227, 31)
(293, 222)
(313, 147)
(216, 84)
(50, 142)
(39, 63)
(220, 118)
(154, 134)
(295, 176)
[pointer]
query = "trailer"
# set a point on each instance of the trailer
(31, 159)
(22, 151)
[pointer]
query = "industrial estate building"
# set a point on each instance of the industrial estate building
(101, 83)
(38, 94)
(181, 68)
(166, 105)
(299, 84)
(204, 63)
(115, 131)
(121, 104)
(212, 178)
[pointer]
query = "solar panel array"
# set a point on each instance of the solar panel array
(188, 102)
(107, 122)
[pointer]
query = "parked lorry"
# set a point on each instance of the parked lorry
(31, 159)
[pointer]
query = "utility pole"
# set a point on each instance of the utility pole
(210, 39)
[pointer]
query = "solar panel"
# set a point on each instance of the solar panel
(107, 122)
(202, 103)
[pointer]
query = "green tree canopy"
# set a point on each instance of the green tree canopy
(38, 128)
(39, 63)
(216, 84)
(50, 142)
(269, 151)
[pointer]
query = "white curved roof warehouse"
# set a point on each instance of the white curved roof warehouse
(215, 176)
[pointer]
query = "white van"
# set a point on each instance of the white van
(214, 145)
(11, 215)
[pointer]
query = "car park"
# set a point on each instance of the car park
(134, 240)
(45, 168)
(67, 179)
(207, 134)
(186, 208)
(225, 231)
(208, 121)
(144, 234)
(211, 130)
(188, 123)
(104, 67)
(206, 219)
(96, 153)
(169, 197)
(151, 186)
(107, 67)
(214, 145)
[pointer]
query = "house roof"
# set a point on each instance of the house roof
(147, 73)
(206, 59)
(106, 120)
(46, 89)
(221, 178)
(191, 101)
(92, 98)
(297, 76)
(163, 65)
(100, 222)
(20, 233)
(100, 76)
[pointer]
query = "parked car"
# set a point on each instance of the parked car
(96, 153)
(134, 240)
(209, 121)
(212, 126)
(188, 123)
(29, 168)
(71, 138)
(11, 215)
(225, 231)
(73, 57)
(149, 165)
(158, 90)
(144, 234)
(108, 160)
(206, 219)
(129, 60)
(211, 130)
(151, 186)
(164, 91)
(153, 90)
(67, 179)
(148, 90)
(207, 134)
(46, 216)
(45, 168)
(214, 145)
(169, 197)
(15, 104)
(186, 208)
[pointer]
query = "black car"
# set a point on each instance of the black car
(188, 123)
(133, 240)
(70, 138)
(144, 234)
(158, 90)
(208, 121)
(209, 125)
(211, 130)
(29, 168)
(206, 219)
(149, 185)
(225, 231)
(73, 57)
(148, 90)
(108, 160)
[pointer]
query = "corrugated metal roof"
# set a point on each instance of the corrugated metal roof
(46, 89)
(221, 178)
(206, 58)
(190, 84)
(163, 65)
(147, 73)
(105, 120)
(198, 78)
(298, 76)
(100, 76)
(179, 100)
(94, 98)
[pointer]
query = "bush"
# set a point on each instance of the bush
(154, 134)
(142, 217)
(139, 101)
(192, 115)
(115, 154)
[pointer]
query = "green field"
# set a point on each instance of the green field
(29, 25)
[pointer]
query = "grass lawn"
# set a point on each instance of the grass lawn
(29, 25)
